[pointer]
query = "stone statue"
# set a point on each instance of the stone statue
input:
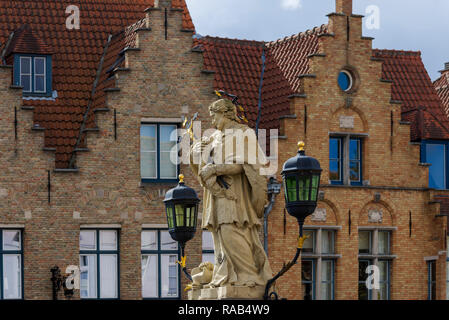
(202, 275)
(234, 199)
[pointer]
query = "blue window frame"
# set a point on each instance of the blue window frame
(34, 74)
(11, 264)
(336, 160)
(99, 264)
(157, 149)
(355, 161)
(436, 152)
(160, 271)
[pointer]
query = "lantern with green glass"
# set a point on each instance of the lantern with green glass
(181, 208)
(301, 175)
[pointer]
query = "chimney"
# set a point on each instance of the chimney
(344, 6)
(446, 66)
(162, 3)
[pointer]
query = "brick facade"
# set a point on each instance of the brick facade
(163, 75)
(391, 167)
(164, 78)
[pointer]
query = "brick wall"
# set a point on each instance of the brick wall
(165, 80)
(390, 166)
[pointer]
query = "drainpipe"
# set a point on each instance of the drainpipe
(274, 188)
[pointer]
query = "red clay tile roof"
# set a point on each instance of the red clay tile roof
(412, 85)
(24, 40)
(76, 56)
(291, 54)
(186, 19)
(286, 59)
(238, 67)
(442, 87)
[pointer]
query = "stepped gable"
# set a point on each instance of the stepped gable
(238, 67)
(442, 87)
(412, 86)
(75, 56)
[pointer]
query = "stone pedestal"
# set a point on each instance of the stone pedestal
(194, 294)
(228, 293)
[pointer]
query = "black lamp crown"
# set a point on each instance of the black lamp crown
(181, 208)
(301, 175)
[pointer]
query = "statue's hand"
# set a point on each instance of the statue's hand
(207, 171)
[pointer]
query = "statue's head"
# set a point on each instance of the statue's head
(222, 111)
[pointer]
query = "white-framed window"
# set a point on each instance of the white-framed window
(345, 160)
(318, 259)
(11, 264)
(33, 73)
(375, 250)
(99, 262)
(158, 152)
(160, 270)
(26, 74)
(40, 75)
(345, 80)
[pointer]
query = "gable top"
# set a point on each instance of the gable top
(25, 41)
(442, 87)
(412, 86)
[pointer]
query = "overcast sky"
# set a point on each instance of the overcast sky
(402, 24)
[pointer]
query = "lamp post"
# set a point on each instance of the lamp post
(301, 176)
(181, 208)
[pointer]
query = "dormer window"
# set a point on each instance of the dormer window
(33, 73)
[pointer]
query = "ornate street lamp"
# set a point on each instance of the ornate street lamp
(301, 176)
(181, 208)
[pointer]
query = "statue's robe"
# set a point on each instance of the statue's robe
(240, 259)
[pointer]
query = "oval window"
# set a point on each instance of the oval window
(345, 80)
